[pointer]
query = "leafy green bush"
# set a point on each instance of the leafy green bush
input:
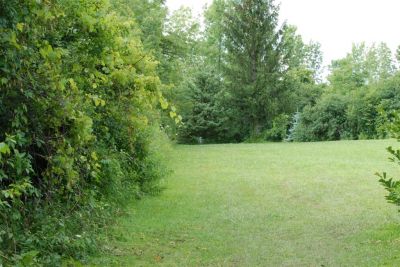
(391, 184)
(324, 121)
(279, 129)
(78, 101)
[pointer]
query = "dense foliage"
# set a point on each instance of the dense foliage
(79, 101)
(257, 68)
(267, 75)
(362, 88)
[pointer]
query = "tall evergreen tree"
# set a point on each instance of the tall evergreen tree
(255, 64)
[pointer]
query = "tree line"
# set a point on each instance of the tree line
(245, 77)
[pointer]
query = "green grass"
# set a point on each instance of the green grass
(307, 204)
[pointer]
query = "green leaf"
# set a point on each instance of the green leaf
(4, 148)
(96, 102)
(164, 104)
(28, 259)
(172, 114)
(20, 26)
(3, 81)
(73, 85)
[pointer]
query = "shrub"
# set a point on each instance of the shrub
(324, 121)
(391, 184)
(279, 129)
(78, 97)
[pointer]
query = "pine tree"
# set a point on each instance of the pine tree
(293, 127)
(255, 64)
(204, 121)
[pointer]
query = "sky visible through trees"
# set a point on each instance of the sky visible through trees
(336, 24)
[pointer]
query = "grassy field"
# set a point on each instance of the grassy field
(308, 204)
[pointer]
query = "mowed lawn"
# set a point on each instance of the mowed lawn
(288, 204)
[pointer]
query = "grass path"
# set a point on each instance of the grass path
(315, 204)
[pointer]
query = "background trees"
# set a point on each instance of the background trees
(358, 94)
(260, 66)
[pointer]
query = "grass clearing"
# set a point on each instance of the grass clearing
(287, 204)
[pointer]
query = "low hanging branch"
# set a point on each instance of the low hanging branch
(4, 257)
(134, 64)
